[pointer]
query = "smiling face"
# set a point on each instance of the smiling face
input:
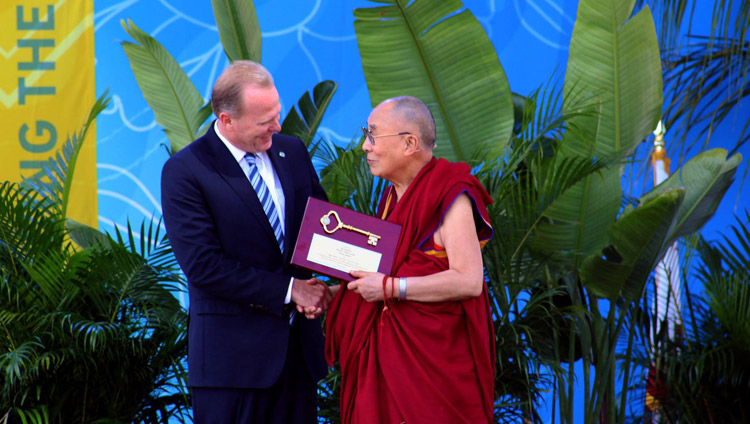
(386, 156)
(251, 129)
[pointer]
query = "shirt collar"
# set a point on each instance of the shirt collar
(237, 153)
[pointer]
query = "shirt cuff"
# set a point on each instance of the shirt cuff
(288, 298)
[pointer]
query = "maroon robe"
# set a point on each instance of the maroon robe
(417, 362)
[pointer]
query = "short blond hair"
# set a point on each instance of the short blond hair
(227, 93)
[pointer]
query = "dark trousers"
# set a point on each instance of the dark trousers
(291, 400)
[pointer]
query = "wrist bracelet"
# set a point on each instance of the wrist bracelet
(402, 288)
(385, 294)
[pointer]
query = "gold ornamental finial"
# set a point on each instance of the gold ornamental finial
(659, 156)
(660, 152)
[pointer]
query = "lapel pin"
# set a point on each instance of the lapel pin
(282, 154)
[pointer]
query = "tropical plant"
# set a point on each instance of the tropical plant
(562, 227)
(704, 374)
(427, 50)
(91, 332)
(573, 252)
(705, 70)
(178, 106)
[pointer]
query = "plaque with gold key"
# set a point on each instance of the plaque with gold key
(334, 240)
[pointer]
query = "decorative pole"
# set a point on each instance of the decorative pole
(665, 308)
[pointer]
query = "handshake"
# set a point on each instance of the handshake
(312, 296)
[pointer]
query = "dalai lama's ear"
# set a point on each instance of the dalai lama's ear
(411, 144)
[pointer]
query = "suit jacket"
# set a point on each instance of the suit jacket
(237, 276)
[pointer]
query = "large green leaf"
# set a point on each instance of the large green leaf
(706, 178)
(638, 239)
(312, 109)
(166, 87)
(238, 29)
(615, 63)
(618, 63)
(447, 61)
(579, 218)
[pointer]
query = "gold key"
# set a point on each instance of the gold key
(325, 220)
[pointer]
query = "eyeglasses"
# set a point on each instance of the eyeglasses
(371, 137)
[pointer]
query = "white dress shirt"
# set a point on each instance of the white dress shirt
(265, 168)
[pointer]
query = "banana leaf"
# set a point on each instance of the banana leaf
(312, 109)
(706, 179)
(578, 220)
(617, 61)
(238, 29)
(165, 86)
(425, 49)
(638, 240)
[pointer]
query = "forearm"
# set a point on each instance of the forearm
(440, 287)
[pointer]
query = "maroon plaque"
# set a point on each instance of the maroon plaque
(334, 240)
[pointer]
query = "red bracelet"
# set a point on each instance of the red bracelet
(385, 294)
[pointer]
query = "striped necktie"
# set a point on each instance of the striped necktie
(264, 195)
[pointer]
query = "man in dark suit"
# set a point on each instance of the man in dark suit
(233, 202)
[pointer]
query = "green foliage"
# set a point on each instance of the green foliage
(166, 87)
(178, 106)
(567, 267)
(638, 241)
(346, 177)
(238, 29)
(312, 109)
(706, 374)
(706, 178)
(56, 181)
(88, 333)
(615, 64)
(705, 73)
(425, 49)
(614, 57)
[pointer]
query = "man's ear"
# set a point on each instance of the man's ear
(225, 119)
(411, 145)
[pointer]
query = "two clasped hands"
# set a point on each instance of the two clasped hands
(313, 296)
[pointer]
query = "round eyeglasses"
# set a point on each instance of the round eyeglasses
(371, 137)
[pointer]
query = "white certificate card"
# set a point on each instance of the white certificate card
(342, 256)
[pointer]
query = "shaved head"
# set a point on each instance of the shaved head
(412, 110)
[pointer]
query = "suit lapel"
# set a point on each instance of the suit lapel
(281, 166)
(226, 166)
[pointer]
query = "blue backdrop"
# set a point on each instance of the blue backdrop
(305, 42)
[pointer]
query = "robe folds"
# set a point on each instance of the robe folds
(417, 362)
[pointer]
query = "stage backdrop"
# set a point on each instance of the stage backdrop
(51, 74)
(46, 90)
(304, 42)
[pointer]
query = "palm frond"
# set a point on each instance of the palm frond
(705, 73)
(55, 180)
(347, 179)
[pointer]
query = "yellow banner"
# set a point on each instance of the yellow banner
(47, 87)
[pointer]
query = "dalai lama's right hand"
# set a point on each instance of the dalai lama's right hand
(311, 297)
